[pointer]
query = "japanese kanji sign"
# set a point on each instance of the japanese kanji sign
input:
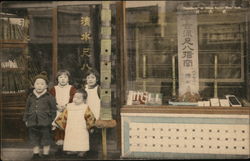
(86, 49)
(188, 54)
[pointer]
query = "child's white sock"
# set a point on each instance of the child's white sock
(59, 142)
(36, 149)
(46, 150)
(81, 154)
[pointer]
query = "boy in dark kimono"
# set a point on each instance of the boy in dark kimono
(39, 113)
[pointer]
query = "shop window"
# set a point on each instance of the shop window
(78, 36)
(40, 42)
(39, 59)
(153, 52)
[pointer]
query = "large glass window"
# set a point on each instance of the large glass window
(75, 54)
(40, 41)
(162, 46)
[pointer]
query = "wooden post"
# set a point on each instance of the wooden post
(173, 76)
(248, 54)
(120, 85)
(144, 60)
(54, 42)
(106, 112)
(104, 143)
(104, 124)
(215, 76)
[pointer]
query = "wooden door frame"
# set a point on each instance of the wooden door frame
(120, 72)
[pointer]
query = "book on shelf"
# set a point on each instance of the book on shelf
(1, 25)
(13, 82)
(11, 30)
(21, 62)
(16, 32)
(23, 82)
(21, 33)
(5, 29)
(9, 64)
(8, 30)
(17, 82)
(4, 82)
(7, 86)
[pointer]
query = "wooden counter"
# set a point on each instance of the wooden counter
(185, 132)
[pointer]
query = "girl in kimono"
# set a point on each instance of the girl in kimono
(93, 89)
(93, 100)
(63, 92)
(77, 120)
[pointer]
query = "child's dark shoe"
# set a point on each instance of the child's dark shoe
(35, 157)
(44, 157)
(59, 152)
(81, 155)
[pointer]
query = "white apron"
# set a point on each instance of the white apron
(62, 98)
(62, 94)
(76, 133)
(94, 101)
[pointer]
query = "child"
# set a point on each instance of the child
(63, 92)
(77, 119)
(94, 102)
(93, 90)
(39, 113)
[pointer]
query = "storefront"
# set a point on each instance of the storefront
(175, 74)
(48, 36)
(182, 61)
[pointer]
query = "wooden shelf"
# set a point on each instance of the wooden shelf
(13, 42)
(13, 94)
(21, 69)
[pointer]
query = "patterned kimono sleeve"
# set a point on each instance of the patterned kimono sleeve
(61, 120)
(53, 91)
(90, 118)
(71, 94)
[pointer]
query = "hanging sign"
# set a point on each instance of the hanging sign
(188, 54)
(86, 54)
